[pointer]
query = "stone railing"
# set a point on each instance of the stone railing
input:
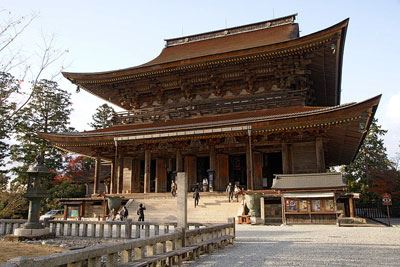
(112, 229)
(100, 229)
(7, 226)
(151, 248)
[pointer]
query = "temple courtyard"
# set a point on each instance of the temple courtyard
(298, 245)
(309, 245)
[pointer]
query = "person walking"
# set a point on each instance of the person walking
(205, 184)
(236, 191)
(230, 190)
(140, 212)
(196, 196)
(173, 188)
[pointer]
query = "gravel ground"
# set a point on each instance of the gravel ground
(309, 245)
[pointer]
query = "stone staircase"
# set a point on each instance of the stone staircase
(161, 207)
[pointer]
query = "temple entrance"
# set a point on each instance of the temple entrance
(237, 169)
(203, 164)
(272, 165)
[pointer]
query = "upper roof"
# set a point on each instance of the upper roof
(308, 181)
(263, 41)
(211, 43)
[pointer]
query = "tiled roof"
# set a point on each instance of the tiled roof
(308, 181)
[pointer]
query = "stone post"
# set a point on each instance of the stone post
(181, 181)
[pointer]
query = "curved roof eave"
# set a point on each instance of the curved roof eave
(109, 76)
(108, 136)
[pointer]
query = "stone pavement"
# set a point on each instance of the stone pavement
(309, 245)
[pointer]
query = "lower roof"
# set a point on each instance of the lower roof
(345, 127)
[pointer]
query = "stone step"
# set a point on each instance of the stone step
(212, 208)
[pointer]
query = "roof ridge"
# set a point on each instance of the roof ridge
(232, 30)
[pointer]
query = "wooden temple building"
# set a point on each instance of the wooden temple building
(234, 105)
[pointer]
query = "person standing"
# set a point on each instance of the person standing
(173, 188)
(236, 191)
(205, 184)
(140, 212)
(196, 196)
(229, 190)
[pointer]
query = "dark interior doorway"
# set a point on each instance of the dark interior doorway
(272, 165)
(237, 169)
(203, 164)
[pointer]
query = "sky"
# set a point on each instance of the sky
(107, 35)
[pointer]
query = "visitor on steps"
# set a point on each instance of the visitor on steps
(140, 212)
(229, 190)
(205, 184)
(174, 187)
(196, 196)
(123, 213)
(236, 191)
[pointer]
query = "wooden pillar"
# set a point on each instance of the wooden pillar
(96, 179)
(351, 207)
(221, 171)
(113, 182)
(191, 170)
(249, 163)
(147, 162)
(136, 175)
(127, 175)
(120, 175)
(286, 166)
(258, 167)
(161, 176)
(212, 158)
(179, 161)
(319, 150)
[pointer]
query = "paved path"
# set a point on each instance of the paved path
(309, 246)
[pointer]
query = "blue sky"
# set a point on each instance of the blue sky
(105, 35)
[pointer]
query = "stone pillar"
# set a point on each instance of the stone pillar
(147, 162)
(179, 161)
(286, 166)
(96, 179)
(319, 150)
(182, 181)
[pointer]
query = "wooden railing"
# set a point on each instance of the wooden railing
(155, 249)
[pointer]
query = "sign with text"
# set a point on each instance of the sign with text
(386, 199)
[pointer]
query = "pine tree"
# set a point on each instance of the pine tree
(371, 159)
(104, 117)
(8, 86)
(48, 112)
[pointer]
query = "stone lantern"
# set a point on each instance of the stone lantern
(35, 193)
